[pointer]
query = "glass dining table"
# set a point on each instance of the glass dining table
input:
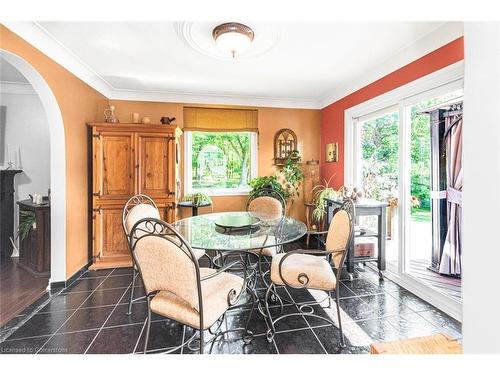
(240, 234)
(208, 232)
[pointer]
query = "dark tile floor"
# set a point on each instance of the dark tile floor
(89, 317)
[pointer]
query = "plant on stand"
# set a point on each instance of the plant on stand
(321, 193)
(197, 199)
(292, 176)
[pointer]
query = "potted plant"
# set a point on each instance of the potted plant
(320, 194)
(27, 222)
(292, 175)
(268, 182)
(197, 199)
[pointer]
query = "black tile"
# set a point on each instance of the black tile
(363, 287)
(138, 292)
(82, 285)
(411, 301)
(163, 334)
(86, 318)
(116, 340)
(329, 336)
(42, 324)
(238, 319)
(96, 273)
(139, 314)
(288, 323)
(258, 345)
(121, 281)
(443, 322)
(298, 342)
(123, 271)
(412, 325)
(352, 309)
(69, 343)
(23, 346)
(386, 305)
(104, 297)
(68, 301)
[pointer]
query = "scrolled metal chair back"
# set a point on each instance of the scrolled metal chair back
(267, 204)
(341, 233)
(165, 261)
(133, 201)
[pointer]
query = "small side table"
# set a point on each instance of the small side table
(365, 207)
(310, 222)
(194, 207)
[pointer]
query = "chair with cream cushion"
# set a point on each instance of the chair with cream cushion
(177, 287)
(269, 207)
(312, 269)
(138, 207)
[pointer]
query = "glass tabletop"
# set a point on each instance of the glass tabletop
(201, 232)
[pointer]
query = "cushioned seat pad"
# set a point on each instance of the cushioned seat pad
(317, 269)
(215, 300)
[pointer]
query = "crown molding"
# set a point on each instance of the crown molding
(39, 38)
(191, 98)
(16, 88)
(431, 41)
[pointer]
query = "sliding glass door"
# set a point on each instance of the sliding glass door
(378, 174)
(397, 152)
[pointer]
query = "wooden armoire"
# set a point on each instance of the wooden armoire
(127, 159)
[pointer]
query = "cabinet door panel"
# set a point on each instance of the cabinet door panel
(113, 241)
(167, 212)
(114, 166)
(156, 164)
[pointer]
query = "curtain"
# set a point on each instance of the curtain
(220, 119)
(451, 258)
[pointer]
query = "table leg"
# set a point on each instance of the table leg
(382, 234)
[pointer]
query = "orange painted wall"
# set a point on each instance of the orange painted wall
(332, 122)
(304, 122)
(79, 103)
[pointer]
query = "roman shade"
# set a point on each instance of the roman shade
(220, 119)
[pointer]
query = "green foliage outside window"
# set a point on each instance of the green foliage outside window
(220, 160)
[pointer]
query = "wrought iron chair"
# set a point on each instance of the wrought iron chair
(178, 288)
(270, 207)
(304, 269)
(138, 207)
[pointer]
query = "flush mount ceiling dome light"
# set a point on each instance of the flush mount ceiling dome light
(233, 37)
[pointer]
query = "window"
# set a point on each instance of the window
(220, 163)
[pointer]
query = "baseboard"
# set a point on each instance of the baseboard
(76, 275)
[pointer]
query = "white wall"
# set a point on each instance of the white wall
(26, 127)
(481, 203)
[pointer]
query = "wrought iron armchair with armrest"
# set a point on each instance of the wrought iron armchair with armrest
(179, 289)
(301, 269)
(139, 207)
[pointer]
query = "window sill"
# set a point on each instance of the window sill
(222, 192)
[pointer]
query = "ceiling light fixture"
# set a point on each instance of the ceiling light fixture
(233, 37)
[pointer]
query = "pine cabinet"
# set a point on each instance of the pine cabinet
(127, 159)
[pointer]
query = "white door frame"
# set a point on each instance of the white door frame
(434, 84)
(57, 164)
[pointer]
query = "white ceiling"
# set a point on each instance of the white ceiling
(297, 64)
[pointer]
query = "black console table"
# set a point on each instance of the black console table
(7, 210)
(365, 207)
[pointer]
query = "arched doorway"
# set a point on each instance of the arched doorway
(57, 163)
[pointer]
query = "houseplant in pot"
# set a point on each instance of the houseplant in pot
(321, 193)
(197, 199)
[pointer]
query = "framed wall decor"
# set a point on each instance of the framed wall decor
(332, 152)
(285, 142)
